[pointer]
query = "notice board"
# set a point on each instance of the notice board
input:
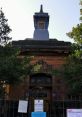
(38, 105)
(74, 112)
(22, 107)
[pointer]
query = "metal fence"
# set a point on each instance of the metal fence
(58, 108)
(10, 109)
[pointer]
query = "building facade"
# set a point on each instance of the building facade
(47, 55)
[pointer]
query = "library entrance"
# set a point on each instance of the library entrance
(40, 89)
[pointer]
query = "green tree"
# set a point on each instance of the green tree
(4, 29)
(71, 73)
(76, 34)
(72, 69)
(13, 69)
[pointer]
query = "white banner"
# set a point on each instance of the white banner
(74, 112)
(38, 105)
(22, 107)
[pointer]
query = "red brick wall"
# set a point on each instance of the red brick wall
(18, 92)
(55, 61)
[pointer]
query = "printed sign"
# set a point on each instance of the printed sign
(74, 112)
(22, 107)
(38, 105)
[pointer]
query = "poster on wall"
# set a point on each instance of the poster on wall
(74, 112)
(38, 105)
(22, 107)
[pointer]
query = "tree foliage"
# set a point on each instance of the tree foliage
(71, 73)
(4, 29)
(76, 34)
(13, 69)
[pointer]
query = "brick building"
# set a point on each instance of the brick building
(47, 54)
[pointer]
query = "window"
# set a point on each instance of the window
(41, 25)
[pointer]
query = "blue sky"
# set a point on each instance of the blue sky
(64, 14)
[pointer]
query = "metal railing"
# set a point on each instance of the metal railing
(9, 108)
(59, 107)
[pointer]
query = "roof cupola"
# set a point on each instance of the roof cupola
(41, 22)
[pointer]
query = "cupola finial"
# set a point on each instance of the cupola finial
(41, 8)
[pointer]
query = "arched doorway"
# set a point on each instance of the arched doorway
(40, 88)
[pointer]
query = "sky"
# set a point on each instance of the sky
(64, 14)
